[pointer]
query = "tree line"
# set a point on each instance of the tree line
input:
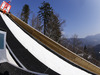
(48, 23)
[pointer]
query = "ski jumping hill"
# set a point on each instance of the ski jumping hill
(35, 54)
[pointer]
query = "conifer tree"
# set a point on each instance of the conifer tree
(54, 28)
(51, 23)
(25, 13)
(44, 15)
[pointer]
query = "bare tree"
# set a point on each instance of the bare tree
(36, 23)
(76, 43)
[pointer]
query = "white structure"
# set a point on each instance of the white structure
(3, 57)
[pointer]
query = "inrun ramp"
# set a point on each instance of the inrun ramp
(40, 56)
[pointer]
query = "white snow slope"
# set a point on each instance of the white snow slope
(42, 54)
(10, 59)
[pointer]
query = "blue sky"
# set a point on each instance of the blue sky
(82, 16)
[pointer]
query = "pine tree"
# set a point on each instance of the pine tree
(51, 23)
(44, 14)
(54, 28)
(25, 13)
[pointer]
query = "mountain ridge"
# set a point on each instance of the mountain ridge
(91, 40)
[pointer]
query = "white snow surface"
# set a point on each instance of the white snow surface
(10, 59)
(42, 54)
